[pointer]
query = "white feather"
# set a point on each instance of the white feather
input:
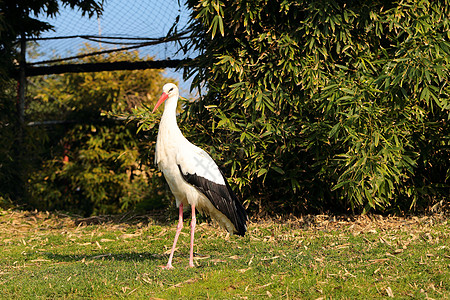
(194, 160)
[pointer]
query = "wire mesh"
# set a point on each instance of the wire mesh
(124, 24)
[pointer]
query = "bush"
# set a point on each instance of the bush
(326, 105)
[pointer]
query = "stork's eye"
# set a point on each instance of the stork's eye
(171, 89)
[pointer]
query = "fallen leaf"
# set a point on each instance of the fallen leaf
(199, 257)
(168, 251)
(389, 292)
(217, 260)
(84, 244)
(98, 244)
(263, 286)
(244, 270)
(106, 240)
(129, 235)
(102, 255)
(189, 281)
(379, 260)
(270, 258)
(235, 257)
(40, 260)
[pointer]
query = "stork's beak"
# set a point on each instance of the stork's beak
(163, 98)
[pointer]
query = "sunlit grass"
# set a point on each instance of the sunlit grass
(45, 256)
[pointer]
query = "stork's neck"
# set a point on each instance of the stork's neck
(169, 118)
(170, 108)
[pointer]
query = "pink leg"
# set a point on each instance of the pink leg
(193, 222)
(177, 234)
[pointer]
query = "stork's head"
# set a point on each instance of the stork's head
(169, 90)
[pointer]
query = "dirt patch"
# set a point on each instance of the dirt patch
(20, 222)
(357, 223)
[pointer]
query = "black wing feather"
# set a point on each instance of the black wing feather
(222, 197)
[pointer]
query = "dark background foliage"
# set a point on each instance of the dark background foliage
(91, 162)
(71, 154)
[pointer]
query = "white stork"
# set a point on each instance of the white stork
(193, 177)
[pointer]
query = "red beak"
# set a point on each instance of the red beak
(163, 98)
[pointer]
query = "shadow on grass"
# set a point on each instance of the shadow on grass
(128, 257)
(159, 217)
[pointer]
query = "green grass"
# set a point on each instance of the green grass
(45, 256)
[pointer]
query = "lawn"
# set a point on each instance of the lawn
(45, 256)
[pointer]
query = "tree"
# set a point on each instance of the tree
(316, 105)
(18, 19)
(91, 160)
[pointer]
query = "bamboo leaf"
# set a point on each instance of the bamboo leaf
(278, 170)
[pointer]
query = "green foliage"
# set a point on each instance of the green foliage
(92, 162)
(326, 104)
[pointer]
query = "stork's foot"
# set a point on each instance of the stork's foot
(167, 267)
